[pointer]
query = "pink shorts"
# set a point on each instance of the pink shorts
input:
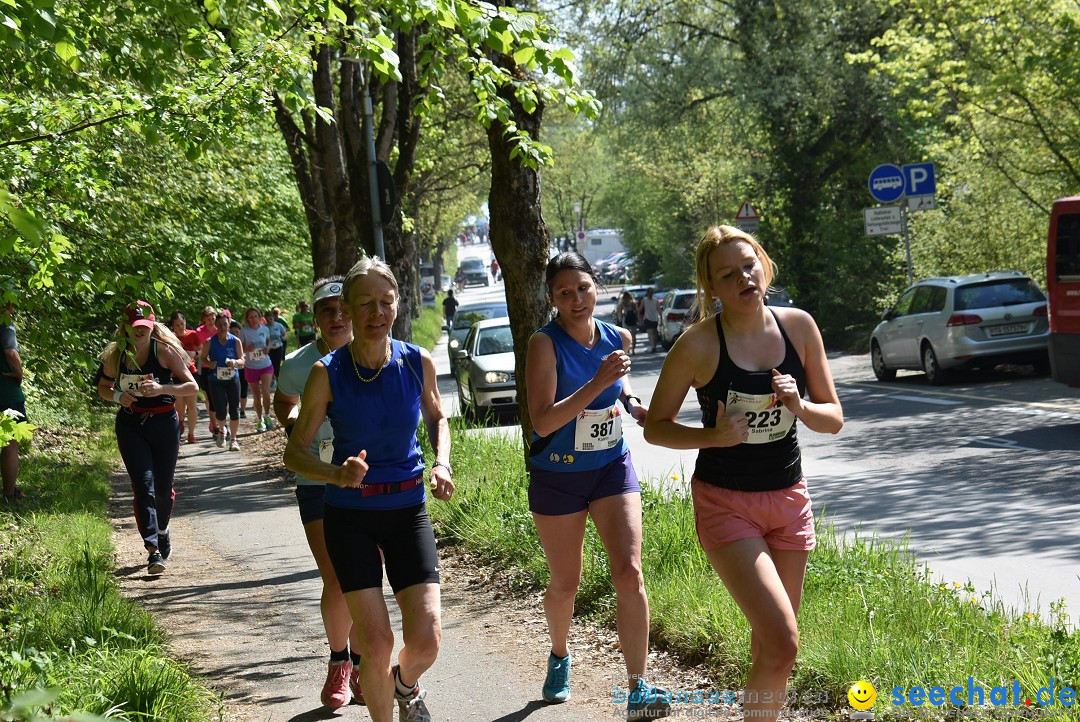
(783, 518)
(252, 376)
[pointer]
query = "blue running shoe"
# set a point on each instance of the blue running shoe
(648, 702)
(557, 684)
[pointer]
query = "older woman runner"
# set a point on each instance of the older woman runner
(375, 390)
(580, 467)
(752, 367)
(137, 370)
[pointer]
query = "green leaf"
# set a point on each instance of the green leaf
(334, 13)
(274, 7)
(525, 56)
(68, 53)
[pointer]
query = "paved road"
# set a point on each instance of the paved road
(983, 475)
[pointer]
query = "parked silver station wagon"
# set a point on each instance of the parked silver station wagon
(977, 320)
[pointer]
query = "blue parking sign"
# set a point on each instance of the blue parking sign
(886, 183)
(919, 179)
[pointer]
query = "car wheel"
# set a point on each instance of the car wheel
(462, 403)
(934, 373)
(486, 283)
(877, 360)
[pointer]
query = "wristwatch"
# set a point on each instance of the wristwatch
(449, 469)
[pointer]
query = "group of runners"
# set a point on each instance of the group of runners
(351, 402)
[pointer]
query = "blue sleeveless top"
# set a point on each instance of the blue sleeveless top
(222, 352)
(575, 365)
(381, 416)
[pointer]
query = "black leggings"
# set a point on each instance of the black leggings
(148, 444)
(226, 396)
(277, 355)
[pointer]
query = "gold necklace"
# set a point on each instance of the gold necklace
(385, 362)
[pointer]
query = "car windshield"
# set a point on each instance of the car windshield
(472, 262)
(465, 318)
(998, 293)
(496, 339)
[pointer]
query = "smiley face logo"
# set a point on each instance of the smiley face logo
(862, 695)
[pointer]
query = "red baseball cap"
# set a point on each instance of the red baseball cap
(140, 313)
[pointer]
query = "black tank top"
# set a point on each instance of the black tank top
(770, 459)
(152, 366)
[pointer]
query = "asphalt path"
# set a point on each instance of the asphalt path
(981, 477)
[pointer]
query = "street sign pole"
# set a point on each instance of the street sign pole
(907, 242)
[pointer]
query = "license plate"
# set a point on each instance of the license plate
(1008, 329)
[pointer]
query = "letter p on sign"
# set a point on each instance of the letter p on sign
(919, 179)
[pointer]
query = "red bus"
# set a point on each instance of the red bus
(1063, 286)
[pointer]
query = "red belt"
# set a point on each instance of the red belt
(150, 409)
(391, 488)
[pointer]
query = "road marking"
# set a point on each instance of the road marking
(1001, 443)
(1051, 406)
(925, 400)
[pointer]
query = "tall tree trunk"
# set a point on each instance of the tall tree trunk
(401, 245)
(519, 237)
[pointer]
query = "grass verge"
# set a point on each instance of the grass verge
(870, 611)
(428, 327)
(70, 645)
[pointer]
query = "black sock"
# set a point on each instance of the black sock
(355, 658)
(339, 656)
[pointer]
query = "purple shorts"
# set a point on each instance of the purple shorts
(252, 376)
(554, 493)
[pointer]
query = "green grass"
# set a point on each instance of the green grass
(870, 610)
(428, 328)
(69, 642)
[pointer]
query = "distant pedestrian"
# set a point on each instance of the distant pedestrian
(649, 312)
(627, 314)
(12, 401)
(279, 334)
(756, 370)
(580, 467)
(234, 329)
(304, 323)
(137, 371)
(206, 329)
(258, 368)
(187, 407)
(450, 306)
(223, 354)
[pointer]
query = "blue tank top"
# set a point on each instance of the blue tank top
(575, 365)
(222, 352)
(381, 416)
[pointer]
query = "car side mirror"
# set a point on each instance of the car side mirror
(461, 354)
(446, 327)
(887, 314)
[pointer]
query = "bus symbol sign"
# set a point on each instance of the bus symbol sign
(886, 183)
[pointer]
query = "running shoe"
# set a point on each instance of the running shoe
(335, 692)
(412, 708)
(191, 437)
(164, 544)
(354, 686)
(269, 421)
(154, 563)
(557, 685)
(234, 445)
(219, 437)
(243, 414)
(647, 701)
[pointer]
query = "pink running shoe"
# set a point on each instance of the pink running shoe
(354, 686)
(335, 693)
